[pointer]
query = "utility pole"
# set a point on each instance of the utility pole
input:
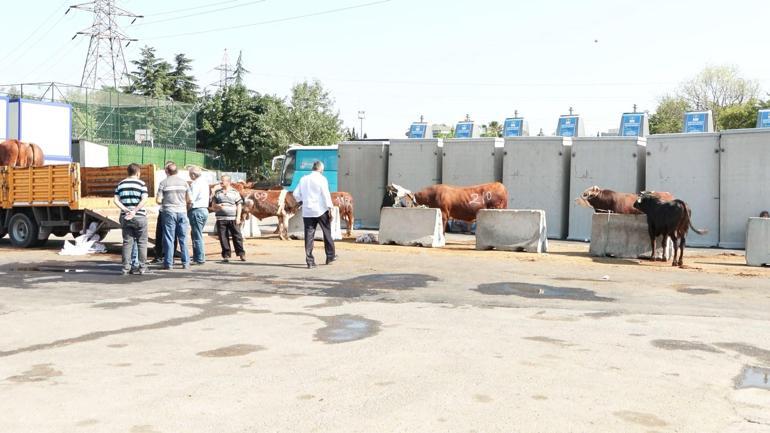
(361, 117)
(105, 62)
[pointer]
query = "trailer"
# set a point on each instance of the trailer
(37, 202)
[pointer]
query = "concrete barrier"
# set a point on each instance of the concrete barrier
(758, 242)
(511, 230)
(411, 226)
(250, 228)
(297, 227)
(623, 236)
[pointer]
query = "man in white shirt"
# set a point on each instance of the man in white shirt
(313, 192)
(198, 213)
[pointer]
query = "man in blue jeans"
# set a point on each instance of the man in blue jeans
(173, 196)
(199, 213)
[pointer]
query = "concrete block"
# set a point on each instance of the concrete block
(758, 242)
(250, 228)
(536, 175)
(415, 163)
(297, 227)
(411, 226)
(687, 166)
(623, 236)
(615, 163)
(511, 230)
(472, 161)
(744, 182)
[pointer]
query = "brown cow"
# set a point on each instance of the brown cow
(462, 203)
(266, 203)
(17, 153)
(344, 201)
(609, 201)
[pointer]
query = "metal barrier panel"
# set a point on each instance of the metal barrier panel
(744, 181)
(472, 161)
(687, 166)
(536, 175)
(363, 172)
(615, 163)
(415, 163)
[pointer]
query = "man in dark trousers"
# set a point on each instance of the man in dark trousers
(227, 205)
(317, 206)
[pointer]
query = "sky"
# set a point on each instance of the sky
(400, 59)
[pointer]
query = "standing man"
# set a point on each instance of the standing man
(173, 196)
(199, 213)
(317, 205)
(131, 196)
(227, 205)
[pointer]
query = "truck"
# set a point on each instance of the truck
(37, 202)
(298, 161)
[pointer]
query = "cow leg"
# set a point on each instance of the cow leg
(444, 220)
(349, 220)
(652, 241)
(283, 231)
(674, 240)
(664, 239)
(681, 250)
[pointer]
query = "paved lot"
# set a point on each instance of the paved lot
(390, 339)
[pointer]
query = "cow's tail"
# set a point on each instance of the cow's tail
(689, 219)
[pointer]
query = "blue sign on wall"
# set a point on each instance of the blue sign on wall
(417, 130)
(764, 119)
(567, 126)
(464, 130)
(513, 127)
(695, 122)
(631, 125)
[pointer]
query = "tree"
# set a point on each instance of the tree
(309, 117)
(718, 87)
(182, 85)
(151, 77)
(494, 129)
(240, 71)
(669, 115)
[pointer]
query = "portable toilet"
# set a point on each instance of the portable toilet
(515, 127)
(3, 117)
(570, 125)
(763, 119)
(467, 129)
(420, 130)
(698, 121)
(634, 125)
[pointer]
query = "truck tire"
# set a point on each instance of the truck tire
(23, 231)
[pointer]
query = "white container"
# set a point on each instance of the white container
(687, 166)
(363, 172)
(472, 161)
(415, 163)
(615, 163)
(47, 124)
(536, 175)
(4, 121)
(744, 182)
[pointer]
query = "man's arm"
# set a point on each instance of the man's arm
(119, 204)
(159, 195)
(238, 210)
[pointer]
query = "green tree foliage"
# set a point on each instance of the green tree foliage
(669, 115)
(718, 87)
(494, 129)
(309, 118)
(183, 87)
(156, 78)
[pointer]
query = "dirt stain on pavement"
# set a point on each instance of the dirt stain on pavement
(305, 397)
(143, 429)
(697, 291)
(38, 373)
(641, 418)
(549, 340)
(602, 314)
(481, 398)
(753, 377)
(87, 422)
(117, 346)
(346, 328)
(761, 355)
(540, 291)
(684, 345)
(228, 351)
(539, 397)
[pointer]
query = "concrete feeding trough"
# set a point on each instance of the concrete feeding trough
(624, 237)
(758, 242)
(411, 227)
(297, 226)
(511, 230)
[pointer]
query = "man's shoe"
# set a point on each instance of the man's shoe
(225, 260)
(125, 272)
(186, 267)
(329, 260)
(141, 271)
(242, 257)
(157, 261)
(311, 265)
(166, 268)
(198, 263)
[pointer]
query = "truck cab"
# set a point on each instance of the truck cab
(298, 161)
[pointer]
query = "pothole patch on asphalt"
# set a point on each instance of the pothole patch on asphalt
(540, 291)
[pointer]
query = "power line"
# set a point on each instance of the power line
(273, 21)
(192, 8)
(200, 13)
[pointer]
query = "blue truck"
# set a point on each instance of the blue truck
(298, 161)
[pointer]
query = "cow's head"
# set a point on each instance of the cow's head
(398, 196)
(646, 200)
(587, 195)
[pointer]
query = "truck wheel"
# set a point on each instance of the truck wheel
(23, 231)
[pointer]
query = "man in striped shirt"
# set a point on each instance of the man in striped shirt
(131, 196)
(173, 196)
(228, 204)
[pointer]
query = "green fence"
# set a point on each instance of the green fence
(126, 154)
